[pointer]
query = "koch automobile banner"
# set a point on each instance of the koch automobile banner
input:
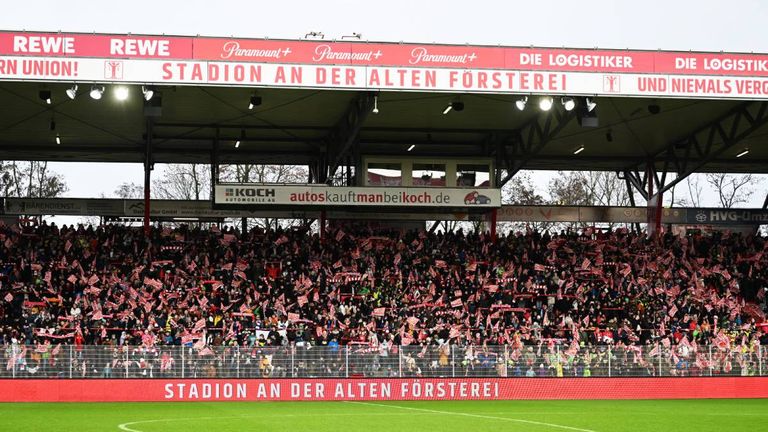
(321, 195)
(377, 66)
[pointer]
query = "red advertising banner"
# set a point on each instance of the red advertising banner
(158, 390)
(379, 54)
(379, 66)
(102, 46)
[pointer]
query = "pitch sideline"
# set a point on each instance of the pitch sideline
(552, 425)
(125, 426)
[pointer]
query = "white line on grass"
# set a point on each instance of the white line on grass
(552, 425)
(125, 426)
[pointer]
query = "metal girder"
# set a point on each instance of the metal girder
(532, 138)
(704, 145)
(494, 144)
(347, 130)
(214, 163)
(636, 180)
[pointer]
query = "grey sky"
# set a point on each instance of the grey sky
(704, 25)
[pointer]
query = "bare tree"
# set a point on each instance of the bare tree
(183, 181)
(694, 189)
(732, 189)
(31, 179)
(521, 190)
(129, 191)
(590, 188)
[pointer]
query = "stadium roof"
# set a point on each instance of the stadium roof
(292, 126)
(700, 126)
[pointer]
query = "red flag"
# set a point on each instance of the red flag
(199, 325)
(456, 303)
(379, 312)
(302, 300)
(293, 317)
(8, 297)
(672, 311)
(585, 264)
(627, 270)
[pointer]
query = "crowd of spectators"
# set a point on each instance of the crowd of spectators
(377, 290)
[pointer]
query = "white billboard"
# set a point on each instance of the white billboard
(329, 196)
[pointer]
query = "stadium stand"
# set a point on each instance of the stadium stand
(501, 301)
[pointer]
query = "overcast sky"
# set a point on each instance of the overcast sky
(704, 25)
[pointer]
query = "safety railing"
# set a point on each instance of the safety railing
(305, 361)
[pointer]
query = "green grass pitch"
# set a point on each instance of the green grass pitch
(545, 416)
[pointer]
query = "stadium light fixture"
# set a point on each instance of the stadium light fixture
(148, 92)
(58, 139)
(578, 150)
(254, 101)
(591, 104)
(743, 153)
(375, 109)
(568, 103)
(314, 34)
(72, 92)
(520, 103)
(122, 93)
(45, 95)
(545, 103)
(357, 36)
(411, 147)
(456, 105)
(242, 138)
(96, 92)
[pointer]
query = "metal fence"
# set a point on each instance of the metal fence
(67, 361)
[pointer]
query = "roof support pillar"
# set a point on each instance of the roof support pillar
(148, 167)
(214, 163)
